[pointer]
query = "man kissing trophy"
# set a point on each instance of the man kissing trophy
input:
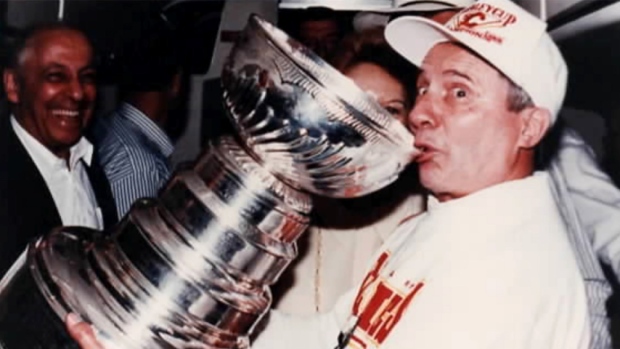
(192, 268)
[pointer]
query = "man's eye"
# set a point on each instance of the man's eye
(459, 93)
(422, 90)
(55, 77)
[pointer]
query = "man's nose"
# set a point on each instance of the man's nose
(76, 90)
(422, 115)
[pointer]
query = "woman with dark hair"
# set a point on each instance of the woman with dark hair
(334, 253)
(367, 59)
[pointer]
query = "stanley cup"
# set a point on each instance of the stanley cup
(192, 268)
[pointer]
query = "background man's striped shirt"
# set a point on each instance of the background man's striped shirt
(134, 153)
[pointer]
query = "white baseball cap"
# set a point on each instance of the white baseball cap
(380, 18)
(512, 40)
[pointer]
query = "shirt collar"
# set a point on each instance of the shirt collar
(45, 160)
(432, 202)
(509, 190)
(148, 128)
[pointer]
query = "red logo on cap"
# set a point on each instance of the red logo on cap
(478, 17)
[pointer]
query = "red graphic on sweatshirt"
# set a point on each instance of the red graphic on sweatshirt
(379, 306)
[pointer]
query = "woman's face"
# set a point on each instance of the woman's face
(387, 90)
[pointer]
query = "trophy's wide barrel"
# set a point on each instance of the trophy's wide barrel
(191, 268)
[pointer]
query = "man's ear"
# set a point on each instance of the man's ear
(535, 124)
(11, 85)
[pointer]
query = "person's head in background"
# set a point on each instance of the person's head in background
(151, 77)
(367, 59)
(318, 28)
(439, 11)
(50, 82)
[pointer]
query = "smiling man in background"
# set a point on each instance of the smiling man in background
(48, 174)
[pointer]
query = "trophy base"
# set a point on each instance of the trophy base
(26, 319)
(55, 276)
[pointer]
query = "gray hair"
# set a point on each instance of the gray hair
(518, 99)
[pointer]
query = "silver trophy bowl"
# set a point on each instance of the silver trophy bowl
(192, 268)
(306, 122)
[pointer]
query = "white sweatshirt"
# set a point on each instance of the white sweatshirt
(490, 270)
(333, 260)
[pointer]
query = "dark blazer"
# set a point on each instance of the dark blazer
(27, 209)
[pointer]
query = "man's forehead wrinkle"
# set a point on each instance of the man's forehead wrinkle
(460, 73)
(455, 62)
(31, 55)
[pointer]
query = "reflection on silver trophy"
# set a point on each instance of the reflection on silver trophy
(192, 268)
